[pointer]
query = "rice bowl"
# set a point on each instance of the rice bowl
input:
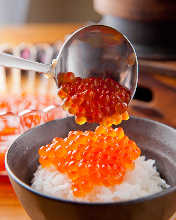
(22, 162)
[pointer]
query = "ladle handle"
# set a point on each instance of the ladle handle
(20, 63)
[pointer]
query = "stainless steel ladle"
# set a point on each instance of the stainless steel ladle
(94, 50)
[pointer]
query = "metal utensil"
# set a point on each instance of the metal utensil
(94, 50)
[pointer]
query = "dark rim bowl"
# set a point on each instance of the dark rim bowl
(156, 140)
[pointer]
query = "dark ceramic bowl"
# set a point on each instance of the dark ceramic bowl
(156, 140)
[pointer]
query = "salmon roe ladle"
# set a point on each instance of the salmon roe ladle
(91, 51)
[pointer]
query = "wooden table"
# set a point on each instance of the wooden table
(10, 208)
(162, 86)
(36, 33)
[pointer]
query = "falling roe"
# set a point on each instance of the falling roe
(92, 158)
(103, 101)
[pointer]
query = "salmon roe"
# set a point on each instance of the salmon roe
(13, 124)
(2, 159)
(91, 158)
(98, 100)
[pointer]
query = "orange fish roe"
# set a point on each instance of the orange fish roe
(2, 158)
(91, 158)
(13, 123)
(103, 101)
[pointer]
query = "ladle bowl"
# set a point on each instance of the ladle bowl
(94, 50)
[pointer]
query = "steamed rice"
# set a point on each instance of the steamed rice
(142, 181)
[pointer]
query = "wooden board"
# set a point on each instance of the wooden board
(162, 85)
(36, 33)
(10, 208)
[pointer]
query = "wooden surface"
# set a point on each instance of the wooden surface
(32, 33)
(160, 80)
(159, 77)
(10, 208)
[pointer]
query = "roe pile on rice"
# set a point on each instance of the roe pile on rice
(104, 165)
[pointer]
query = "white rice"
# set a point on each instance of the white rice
(142, 181)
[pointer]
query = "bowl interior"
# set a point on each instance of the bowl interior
(156, 140)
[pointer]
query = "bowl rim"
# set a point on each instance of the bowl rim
(167, 191)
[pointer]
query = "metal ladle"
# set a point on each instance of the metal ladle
(94, 50)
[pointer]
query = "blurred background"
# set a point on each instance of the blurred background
(27, 11)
